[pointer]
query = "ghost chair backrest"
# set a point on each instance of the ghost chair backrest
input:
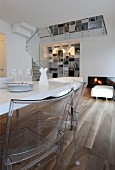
(22, 141)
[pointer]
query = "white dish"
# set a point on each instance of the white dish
(19, 87)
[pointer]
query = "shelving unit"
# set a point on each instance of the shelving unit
(95, 22)
(84, 24)
(64, 62)
(79, 25)
(87, 27)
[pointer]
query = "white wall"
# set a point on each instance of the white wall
(17, 57)
(97, 57)
(43, 56)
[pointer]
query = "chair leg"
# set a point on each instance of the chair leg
(3, 166)
(67, 134)
(75, 138)
(60, 162)
(6, 167)
(9, 167)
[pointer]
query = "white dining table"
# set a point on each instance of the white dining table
(38, 92)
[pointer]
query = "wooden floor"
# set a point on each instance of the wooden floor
(96, 136)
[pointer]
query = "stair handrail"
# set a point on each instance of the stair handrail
(32, 35)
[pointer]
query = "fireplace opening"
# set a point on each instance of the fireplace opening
(92, 81)
(95, 80)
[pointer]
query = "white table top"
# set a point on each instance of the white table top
(38, 92)
(67, 79)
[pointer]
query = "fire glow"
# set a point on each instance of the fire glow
(97, 81)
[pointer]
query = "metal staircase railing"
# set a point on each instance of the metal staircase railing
(32, 36)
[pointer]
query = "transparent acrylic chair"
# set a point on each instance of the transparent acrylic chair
(71, 121)
(24, 146)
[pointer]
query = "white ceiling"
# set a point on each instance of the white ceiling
(42, 13)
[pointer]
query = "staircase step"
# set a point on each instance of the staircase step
(35, 69)
(23, 29)
(25, 25)
(36, 72)
(21, 32)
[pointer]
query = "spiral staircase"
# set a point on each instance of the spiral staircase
(29, 32)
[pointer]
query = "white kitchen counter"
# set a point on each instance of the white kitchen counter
(38, 92)
(56, 86)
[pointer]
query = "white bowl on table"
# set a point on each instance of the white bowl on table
(20, 87)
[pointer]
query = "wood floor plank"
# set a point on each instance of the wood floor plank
(94, 126)
(82, 134)
(69, 153)
(101, 145)
(96, 163)
(112, 140)
(83, 155)
(86, 115)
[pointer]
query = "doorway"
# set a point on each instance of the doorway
(3, 67)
